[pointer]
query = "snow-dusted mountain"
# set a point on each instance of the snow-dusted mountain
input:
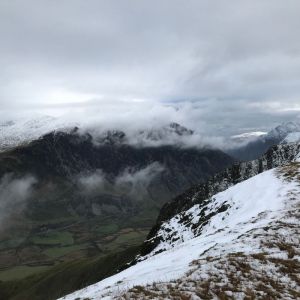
(238, 243)
(14, 132)
(23, 130)
(251, 147)
(280, 132)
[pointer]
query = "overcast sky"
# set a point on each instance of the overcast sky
(234, 64)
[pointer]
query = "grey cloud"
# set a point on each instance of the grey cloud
(91, 183)
(219, 56)
(131, 182)
(138, 181)
(13, 195)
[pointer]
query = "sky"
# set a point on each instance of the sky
(225, 66)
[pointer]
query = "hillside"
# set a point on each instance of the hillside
(274, 157)
(239, 243)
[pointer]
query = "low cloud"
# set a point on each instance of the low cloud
(93, 182)
(13, 195)
(212, 122)
(137, 182)
(131, 182)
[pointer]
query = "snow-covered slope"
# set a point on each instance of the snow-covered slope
(22, 130)
(242, 242)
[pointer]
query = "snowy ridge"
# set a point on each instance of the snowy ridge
(217, 246)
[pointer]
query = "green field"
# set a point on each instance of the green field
(20, 272)
(57, 252)
(53, 238)
(107, 229)
(66, 277)
(43, 251)
(61, 253)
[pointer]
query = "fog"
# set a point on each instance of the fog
(13, 195)
(131, 182)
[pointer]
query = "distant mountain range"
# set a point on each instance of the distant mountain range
(253, 146)
(244, 146)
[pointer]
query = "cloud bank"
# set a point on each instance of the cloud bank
(235, 62)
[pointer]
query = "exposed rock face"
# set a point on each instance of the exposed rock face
(276, 156)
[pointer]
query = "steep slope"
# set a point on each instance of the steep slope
(238, 244)
(274, 157)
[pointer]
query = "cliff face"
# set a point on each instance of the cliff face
(276, 156)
